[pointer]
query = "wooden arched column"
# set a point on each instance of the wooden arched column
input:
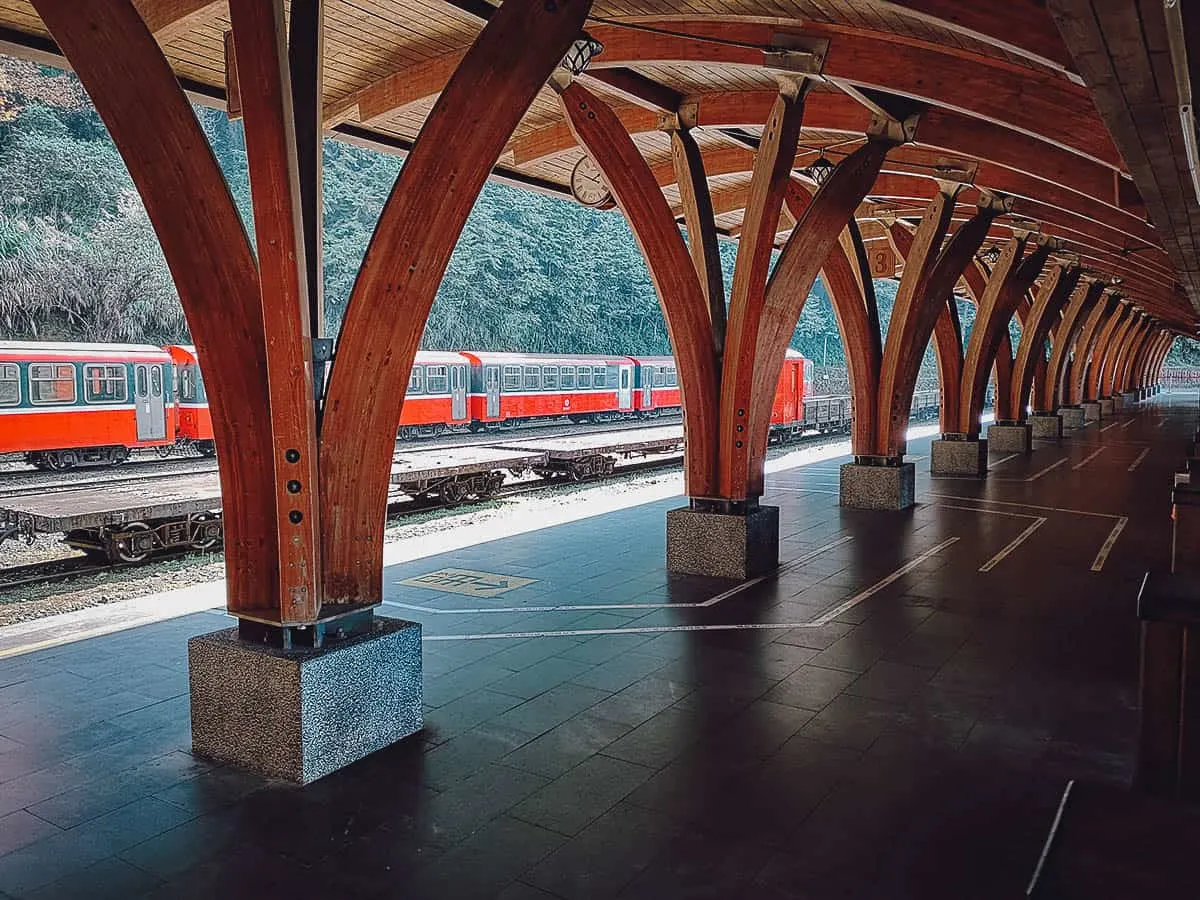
(492, 88)
(1055, 393)
(1085, 344)
(1160, 359)
(851, 294)
(1052, 296)
(1115, 354)
(1104, 352)
(1135, 371)
(976, 278)
(762, 321)
(1009, 281)
(922, 302)
(1119, 379)
(689, 301)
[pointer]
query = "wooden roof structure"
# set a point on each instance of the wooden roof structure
(1002, 97)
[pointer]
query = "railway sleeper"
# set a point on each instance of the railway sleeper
(137, 541)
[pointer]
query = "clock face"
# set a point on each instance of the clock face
(588, 184)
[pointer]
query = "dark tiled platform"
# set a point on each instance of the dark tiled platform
(893, 716)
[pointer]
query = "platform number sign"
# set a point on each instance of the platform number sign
(465, 581)
(882, 259)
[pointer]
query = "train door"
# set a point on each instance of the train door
(647, 387)
(491, 387)
(625, 389)
(150, 402)
(458, 393)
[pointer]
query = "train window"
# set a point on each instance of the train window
(550, 377)
(142, 387)
(415, 379)
(512, 378)
(187, 384)
(10, 385)
(156, 384)
(659, 379)
(104, 384)
(50, 383)
(585, 377)
(672, 378)
(567, 374)
(533, 378)
(436, 379)
(602, 379)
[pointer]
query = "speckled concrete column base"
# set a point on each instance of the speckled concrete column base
(968, 458)
(878, 487)
(1046, 426)
(1091, 411)
(723, 546)
(1072, 417)
(1130, 397)
(302, 714)
(1106, 408)
(1118, 401)
(1010, 438)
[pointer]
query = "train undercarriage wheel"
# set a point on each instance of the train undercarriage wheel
(206, 449)
(492, 484)
(162, 452)
(60, 460)
(408, 433)
(117, 455)
(129, 549)
(204, 540)
(453, 493)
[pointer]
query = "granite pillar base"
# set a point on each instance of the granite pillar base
(1118, 401)
(959, 458)
(1005, 438)
(1091, 411)
(723, 545)
(1131, 397)
(1072, 417)
(1046, 426)
(1106, 408)
(303, 713)
(878, 487)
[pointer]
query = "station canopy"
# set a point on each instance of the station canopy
(1001, 103)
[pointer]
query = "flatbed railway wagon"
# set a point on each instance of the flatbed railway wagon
(194, 426)
(507, 388)
(66, 404)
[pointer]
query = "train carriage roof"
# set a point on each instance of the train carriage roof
(543, 359)
(33, 349)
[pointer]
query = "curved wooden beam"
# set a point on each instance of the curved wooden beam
(1102, 352)
(1084, 344)
(1115, 355)
(1055, 393)
(928, 281)
(696, 202)
(1052, 295)
(1009, 281)
(499, 77)
(680, 290)
(1136, 342)
(851, 293)
(1137, 361)
(207, 251)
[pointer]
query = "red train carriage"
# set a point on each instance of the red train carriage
(63, 404)
(656, 385)
(795, 380)
(194, 421)
(508, 387)
(437, 394)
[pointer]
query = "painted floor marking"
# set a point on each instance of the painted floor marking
(1002, 461)
(1102, 556)
(1137, 462)
(1012, 545)
(792, 490)
(466, 581)
(1107, 427)
(598, 607)
(1127, 424)
(824, 619)
(1077, 512)
(1046, 471)
(1087, 459)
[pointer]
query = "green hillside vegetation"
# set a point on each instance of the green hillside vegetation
(79, 259)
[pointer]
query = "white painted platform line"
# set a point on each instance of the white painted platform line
(1002, 460)
(1102, 556)
(1127, 424)
(599, 607)
(1076, 512)
(1107, 427)
(1137, 462)
(1046, 471)
(880, 585)
(1012, 545)
(792, 490)
(1087, 459)
(733, 626)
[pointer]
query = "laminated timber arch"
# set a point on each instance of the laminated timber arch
(1138, 338)
(687, 300)
(1103, 351)
(1006, 286)
(1052, 296)
(1055, 391)
(1097, 319)
(1115, 357)
(922, 303)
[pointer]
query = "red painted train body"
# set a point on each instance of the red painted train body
(72, 403)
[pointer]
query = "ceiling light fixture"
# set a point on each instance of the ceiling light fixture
(583, 50)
